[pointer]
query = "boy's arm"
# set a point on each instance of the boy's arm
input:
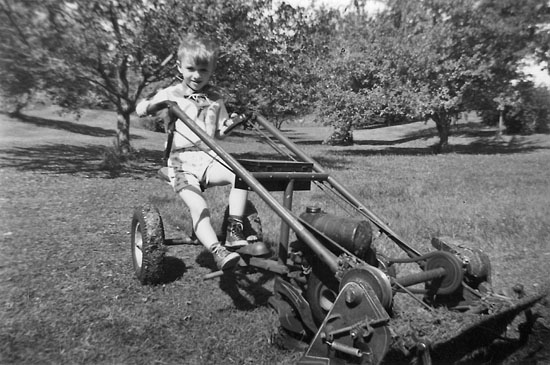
(149, 107)
(211, 118)
(158, 105)
(152, 104)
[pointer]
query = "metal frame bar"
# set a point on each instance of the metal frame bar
(284, 213)
(411, 252)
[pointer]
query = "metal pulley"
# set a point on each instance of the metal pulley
(443, 273)
(375, 278)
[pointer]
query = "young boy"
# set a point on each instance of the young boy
(192, 164)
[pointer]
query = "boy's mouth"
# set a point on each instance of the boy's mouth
(194, 84)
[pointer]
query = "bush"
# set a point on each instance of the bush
(530, 114)
(151, 123)
(112, 160)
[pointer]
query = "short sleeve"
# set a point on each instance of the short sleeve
(141, 107)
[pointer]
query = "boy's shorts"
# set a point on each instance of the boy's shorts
(189, 169)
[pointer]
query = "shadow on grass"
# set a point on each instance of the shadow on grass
(420, 135)
(482, 146)
(174, 269)
(334, 158)
(233, 282)
(72, 127)
(485, 143)
(88, 161)
(301, 138)
(324, 160)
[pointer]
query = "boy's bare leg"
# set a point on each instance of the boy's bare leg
(200, 215)
(220, 175)
(237, 202)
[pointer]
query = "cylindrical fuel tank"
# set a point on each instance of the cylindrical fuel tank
(353, 234)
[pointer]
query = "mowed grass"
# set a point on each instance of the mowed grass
(69, 295)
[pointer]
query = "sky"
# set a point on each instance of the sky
(540, 75)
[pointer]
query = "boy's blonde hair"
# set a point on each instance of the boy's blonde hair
(200, 50)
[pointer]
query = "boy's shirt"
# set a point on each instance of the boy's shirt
(194, 105)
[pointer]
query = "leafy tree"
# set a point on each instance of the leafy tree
(20, 63)
(112, 52)
(115, 49)
(277, 76)
(105, 49)
(430, 59)
(526, 111)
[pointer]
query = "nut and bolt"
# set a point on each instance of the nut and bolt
(352, 298)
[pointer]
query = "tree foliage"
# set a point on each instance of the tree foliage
(282, 79)
(417, 60)
(105, 51)
(429, 59)
(110, 52)
(525, 109)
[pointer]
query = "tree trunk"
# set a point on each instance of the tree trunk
(500, 123)
(443, 124)
(123, 132)
(21, 101)
(342, 135)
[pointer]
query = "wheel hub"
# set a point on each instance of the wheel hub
(453, 272)
(138, 247)
(373, 277)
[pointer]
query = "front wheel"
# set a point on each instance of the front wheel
(147, 241)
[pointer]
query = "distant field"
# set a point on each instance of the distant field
(68, 291)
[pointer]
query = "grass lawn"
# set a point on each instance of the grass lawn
(68, 293)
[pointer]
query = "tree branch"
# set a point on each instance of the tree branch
(108, 84)
(9, 12)
(108, 93)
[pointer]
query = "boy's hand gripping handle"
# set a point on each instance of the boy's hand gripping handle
(170, 118)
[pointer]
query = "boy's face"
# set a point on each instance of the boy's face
(195, 75)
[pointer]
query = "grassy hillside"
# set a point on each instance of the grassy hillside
(68, 290)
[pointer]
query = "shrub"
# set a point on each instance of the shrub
(112, 160)
(151, 123)
(529, 114)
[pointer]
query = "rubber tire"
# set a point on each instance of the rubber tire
(320, 296)
(252, 225)
(147, 245)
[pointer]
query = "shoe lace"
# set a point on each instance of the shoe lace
(218, 250)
